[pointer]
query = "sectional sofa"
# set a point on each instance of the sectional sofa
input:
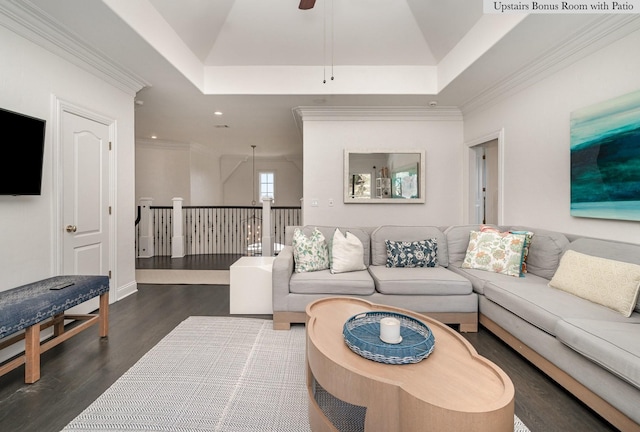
(576, 333)
(437, 291)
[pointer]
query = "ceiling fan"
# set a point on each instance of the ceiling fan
(306, 4)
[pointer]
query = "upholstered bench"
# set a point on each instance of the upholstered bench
(30, 308)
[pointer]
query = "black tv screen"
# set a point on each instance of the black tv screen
(22, 153)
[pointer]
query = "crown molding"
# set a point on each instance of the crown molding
(377, 114)
(27, 20)
(302, 114)
(162, 144)
(599, 33)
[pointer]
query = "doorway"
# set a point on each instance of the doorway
(485, 180)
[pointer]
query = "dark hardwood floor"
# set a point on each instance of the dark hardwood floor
(189, 262)
(76, 372)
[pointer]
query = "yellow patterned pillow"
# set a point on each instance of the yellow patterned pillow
(610, 283)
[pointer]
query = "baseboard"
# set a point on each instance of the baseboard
(186, 277)
(126, 290)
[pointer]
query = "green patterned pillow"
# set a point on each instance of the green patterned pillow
(496, 252)
(310, 253)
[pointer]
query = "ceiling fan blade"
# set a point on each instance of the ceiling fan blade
(306, 4)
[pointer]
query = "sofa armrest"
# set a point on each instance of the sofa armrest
(281, 275)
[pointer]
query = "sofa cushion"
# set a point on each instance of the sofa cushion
(545, 251)
(611, 283)
(310, 253)
(347, 253)
(543, 306)
(419, 280)
(406, 233)
(499, 252)
(613, 345)
(625, 252)
(480, 278)
(421, 253)
(324, 282)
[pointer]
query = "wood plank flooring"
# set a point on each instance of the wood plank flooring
(76, 372)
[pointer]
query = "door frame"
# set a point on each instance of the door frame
(61, 106)
(473, 176)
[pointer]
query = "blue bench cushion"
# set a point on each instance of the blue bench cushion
(30, 304)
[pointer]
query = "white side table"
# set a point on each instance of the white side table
(250, 286)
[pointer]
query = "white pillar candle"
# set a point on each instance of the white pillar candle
(390, 330)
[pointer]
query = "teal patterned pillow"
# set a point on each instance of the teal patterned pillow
(422, 253)
(310, 254)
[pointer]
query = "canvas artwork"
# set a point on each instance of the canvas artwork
(605, 159)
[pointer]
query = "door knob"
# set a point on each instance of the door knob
(71, 228)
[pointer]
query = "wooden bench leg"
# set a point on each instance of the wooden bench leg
(32, 354)
(104, 314)
(58, 324)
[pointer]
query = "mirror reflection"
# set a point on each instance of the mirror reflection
(384, 177)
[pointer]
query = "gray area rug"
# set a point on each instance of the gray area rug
(218, 374)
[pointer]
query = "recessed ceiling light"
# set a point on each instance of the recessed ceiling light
(218, 113)
(153, 137)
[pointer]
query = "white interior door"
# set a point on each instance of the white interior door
(85, 201)
(485, 182)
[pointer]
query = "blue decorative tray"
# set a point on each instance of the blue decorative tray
(362, 335)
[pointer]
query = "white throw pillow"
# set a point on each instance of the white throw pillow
(347, 253)
(610, 283)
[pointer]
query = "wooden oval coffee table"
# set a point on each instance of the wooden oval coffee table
(454, 389)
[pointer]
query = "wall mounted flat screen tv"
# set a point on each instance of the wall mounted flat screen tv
(22, 152)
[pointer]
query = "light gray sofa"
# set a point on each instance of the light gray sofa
(437, 291)
(591, 350)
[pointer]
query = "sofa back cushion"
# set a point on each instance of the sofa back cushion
(545, 250)
(328, 231)
(458, 241)
(406, 233)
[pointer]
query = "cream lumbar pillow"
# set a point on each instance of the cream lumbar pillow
(347, 253)
(610, 283)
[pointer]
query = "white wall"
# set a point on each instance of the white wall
(325, 140)
(206, 187)
(29, 78)
(238, 186)
(537, 141)
(163, 172)
(204, 178)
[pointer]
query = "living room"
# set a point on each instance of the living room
(529, 114)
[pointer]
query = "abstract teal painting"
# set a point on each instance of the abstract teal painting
(605, 159)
